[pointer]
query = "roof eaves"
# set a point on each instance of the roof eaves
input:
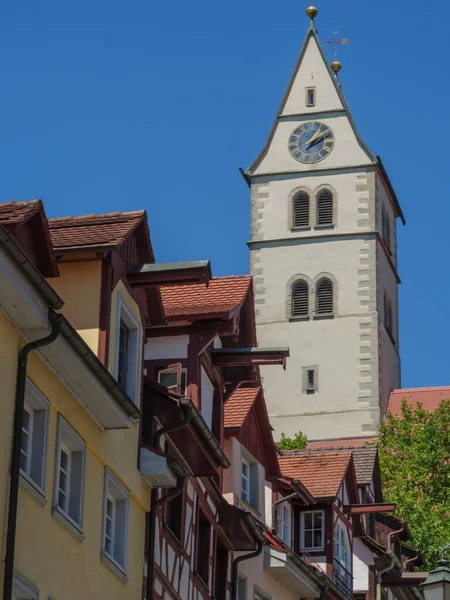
(391, 190)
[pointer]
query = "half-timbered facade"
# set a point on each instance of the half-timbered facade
(204, 351)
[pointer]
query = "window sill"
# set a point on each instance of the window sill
(294, 319)
(61, 517)
(323, 317)
(114, 567)
(29, 485)
(301, 228)
(327, 226)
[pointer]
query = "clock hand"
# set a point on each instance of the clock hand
(317, 135)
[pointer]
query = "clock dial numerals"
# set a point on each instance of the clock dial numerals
(311, 142)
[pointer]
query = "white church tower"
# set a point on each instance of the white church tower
(323, 255)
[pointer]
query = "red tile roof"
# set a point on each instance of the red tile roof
(224, 294)
(93, 230)
(238, 406)
(13, 213)
(429, 397)
(321, 473)
(341, 443)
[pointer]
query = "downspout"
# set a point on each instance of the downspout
(154, 502)
(393, 560)
(275, 505)
(55, 320)
(235, 565)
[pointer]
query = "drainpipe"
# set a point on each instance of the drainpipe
(393, 560)
(275, 505)
(154, 502)
(235, 565)
(55, 320)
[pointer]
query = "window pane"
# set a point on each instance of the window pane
(308, 539)
(317, 539)
(123, 354)
(308, 520)
(168, 379)
(76, 485)
(318, 520)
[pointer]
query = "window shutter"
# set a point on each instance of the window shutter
(325, 208)
(301, 210)
(300, 299)
(324, 297)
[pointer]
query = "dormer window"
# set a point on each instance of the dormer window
(128, 350)
(173, 379)
(284, 523)
(312, 531)
(310, 96)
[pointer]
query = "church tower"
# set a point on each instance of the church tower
(323, 255)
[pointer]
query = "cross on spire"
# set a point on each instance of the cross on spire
(337, 42)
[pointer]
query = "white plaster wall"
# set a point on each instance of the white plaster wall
(206, 397)
(362, 559)
(232, 476)
(253, 570)
(166, 347)
(312, 73)
(274, 212)
(268, 504)
(346, 151)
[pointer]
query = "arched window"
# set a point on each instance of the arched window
(324, 210)
(300, 210)
(324, 297)
(300, 299)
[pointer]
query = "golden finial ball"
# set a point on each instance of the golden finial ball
(312, 12)
(336, 66)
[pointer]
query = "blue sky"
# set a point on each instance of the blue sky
(110, 106)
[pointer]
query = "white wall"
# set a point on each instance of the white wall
(362, 558)
(166, 347)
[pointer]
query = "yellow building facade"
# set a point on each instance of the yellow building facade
(82, 503)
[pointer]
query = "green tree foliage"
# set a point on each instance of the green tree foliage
(414, 453)
(298, 442)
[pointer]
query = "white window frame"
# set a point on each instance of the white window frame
(23, 590)
(341, 550)
(114, 490)
(35, 402)
(183, 371)
(284, 520)
(308, 90)
(245, 488)
(134, 358)
(69, 441)
(303, 547)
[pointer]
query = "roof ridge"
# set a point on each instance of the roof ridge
(21, 202)
(75, 221)
(418, 389)
(222, 277)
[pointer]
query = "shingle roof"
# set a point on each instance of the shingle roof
(12, 213)
(238, 406)
(223, 294)
(93, 230)
(364, 456)
(321, 473)
(429, 397)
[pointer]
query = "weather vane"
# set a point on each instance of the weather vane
(336, 65)
(337, 42)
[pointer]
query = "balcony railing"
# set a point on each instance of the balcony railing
(342, 578)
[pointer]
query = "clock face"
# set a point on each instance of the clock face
(311, 142)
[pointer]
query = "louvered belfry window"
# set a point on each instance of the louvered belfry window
(301, 210)
(325, 208)
(324, 297)
(300, 299)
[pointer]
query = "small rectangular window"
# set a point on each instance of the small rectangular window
(312, 530)
(284, 523)
(33, 441)
(115, 521)
(69, 477)
(310, 379)
(310, 96)
(170, 379)
(128, 351)
(203, 545)
(310, 383)
(174, 515)
(124, 336)
(245, 481)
